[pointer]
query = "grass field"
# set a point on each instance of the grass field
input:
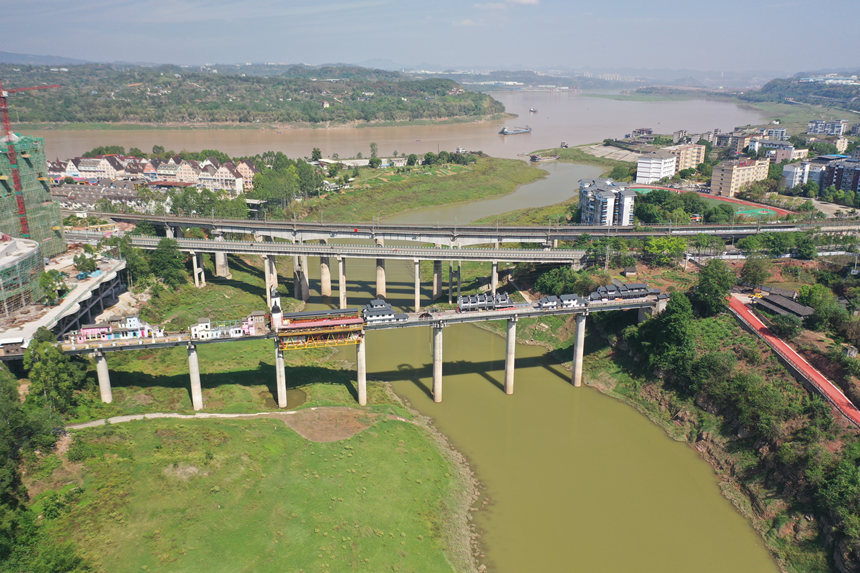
(384, 193)
(578, 155)
(252, 495)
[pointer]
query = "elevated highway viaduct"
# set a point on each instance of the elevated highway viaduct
(464, 235)
(300, 252)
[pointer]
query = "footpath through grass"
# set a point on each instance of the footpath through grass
(385, 193)
(251, 495)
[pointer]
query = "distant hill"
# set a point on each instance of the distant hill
(246, 94)
(35, 60)
(801, 89)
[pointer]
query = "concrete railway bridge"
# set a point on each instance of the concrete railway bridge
(438, 322)
(463, 235)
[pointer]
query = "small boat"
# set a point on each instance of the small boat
(564, 145)
(515, 131)
(532, 110)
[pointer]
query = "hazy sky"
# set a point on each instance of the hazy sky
(742, 35)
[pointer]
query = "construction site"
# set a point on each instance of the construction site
(41, 214)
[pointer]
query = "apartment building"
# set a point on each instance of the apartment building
(821, 127)
(731, 176)
(654, 166)
(686, 156)
(606, 203)
(843, 174)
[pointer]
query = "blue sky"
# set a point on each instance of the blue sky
(779, 35)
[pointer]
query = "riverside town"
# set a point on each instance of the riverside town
(423, 310)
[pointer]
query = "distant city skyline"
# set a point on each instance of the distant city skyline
(734, 35)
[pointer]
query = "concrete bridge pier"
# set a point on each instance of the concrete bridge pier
(494, 277)
(301, 288)
(194, 373)
(437, 279)
(104, 377)
(280, 377)
(437, 363)
(417, 285)
(450, 281)
(271, 271)
(197, 269)
(380, 278)
(169, 232)
(510, 355)
(341, 283)
(325, 277)
(361, 371)
(222, 268)
(578, 350)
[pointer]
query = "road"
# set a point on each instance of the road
(828, 389)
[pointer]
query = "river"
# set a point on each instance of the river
(576, 119)
(576, 481)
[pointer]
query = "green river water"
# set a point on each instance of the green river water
(576, 481)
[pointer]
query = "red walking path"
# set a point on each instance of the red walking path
(827, 388)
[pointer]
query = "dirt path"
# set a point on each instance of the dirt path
(323, 424)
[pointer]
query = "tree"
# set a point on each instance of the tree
(715, 283)
(666, 250)
(146, 228)
(786, 326)
(670, 337)
(53, 377)
(756, 271)
(168, 263)
(84, 264)
(52, 282)
(411, 159)
(316, 154)
(374, 150)
(374, 162)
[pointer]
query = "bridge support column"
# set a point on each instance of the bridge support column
(104, 378)
(341, 282)
(380, 278)
(271, 271)
(361, 371)
(306, 285)
(222, 269)
(417, 285)
(300, 278)
(280, 377)
(197, 269)
(194, 374)
(168, 232)
(459, 272)
(578, 349)
(325, 277)
(510, 353)
(494, 277)
(437, 363)
(450, 281)
(437, 279)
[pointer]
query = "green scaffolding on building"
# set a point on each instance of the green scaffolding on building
(43, 213)
(20, 268)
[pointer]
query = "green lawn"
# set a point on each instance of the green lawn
(253, 495)
(384, 193)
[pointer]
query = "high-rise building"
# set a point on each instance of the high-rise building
(605, 202)
(43, 213)
(731, 176)
(843, 175)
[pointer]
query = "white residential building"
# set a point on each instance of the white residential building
(652, 167)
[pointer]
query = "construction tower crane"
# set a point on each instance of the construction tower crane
(13, 156)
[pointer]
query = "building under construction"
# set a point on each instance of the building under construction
(20, 267)
(42, 213)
